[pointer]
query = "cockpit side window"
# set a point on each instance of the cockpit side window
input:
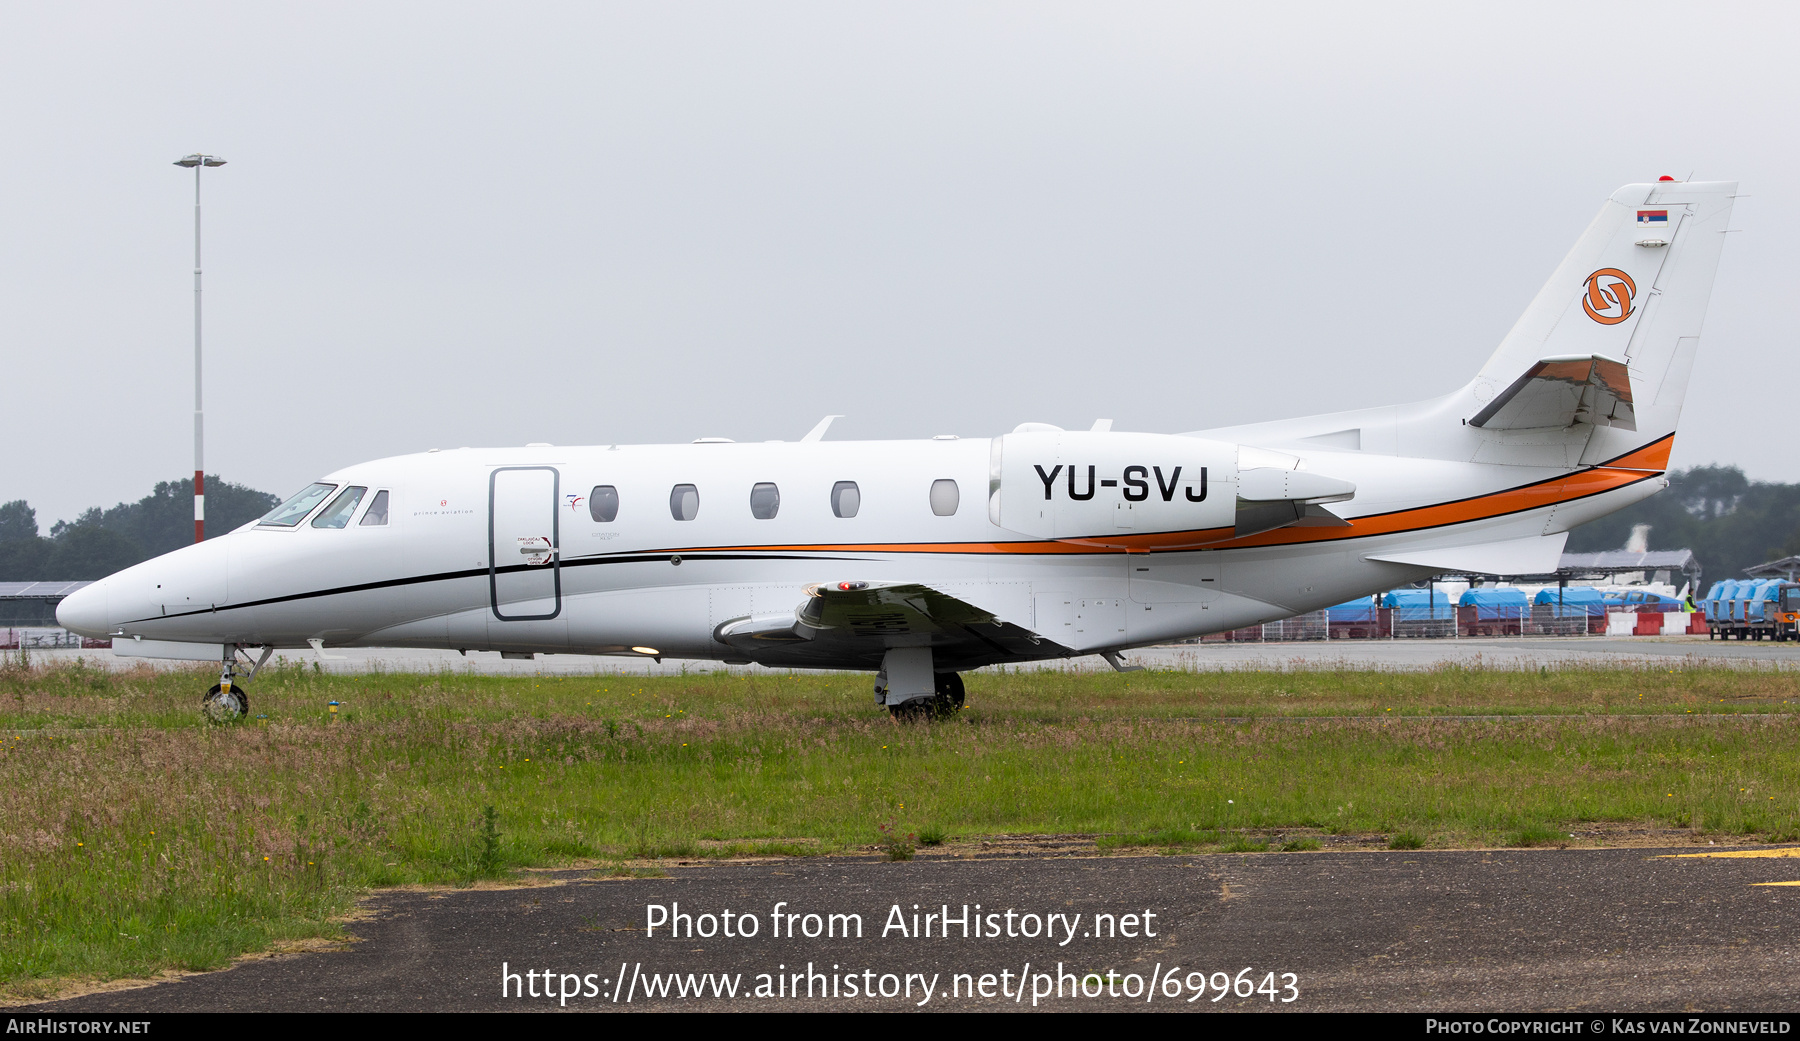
(295, 509)
(339, 512)
(376, 514)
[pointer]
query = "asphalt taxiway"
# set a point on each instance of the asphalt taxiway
(1692, 928)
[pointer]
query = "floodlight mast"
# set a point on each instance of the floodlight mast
(198, 161)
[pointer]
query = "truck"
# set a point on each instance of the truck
(1752, 609)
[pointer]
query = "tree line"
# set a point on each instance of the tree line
(102, 541)
(1729, 521)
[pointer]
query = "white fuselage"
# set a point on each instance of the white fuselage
(446, 571)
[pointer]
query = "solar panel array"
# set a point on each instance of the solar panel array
(38, 590)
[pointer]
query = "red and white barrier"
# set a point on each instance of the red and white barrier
(1655, 623)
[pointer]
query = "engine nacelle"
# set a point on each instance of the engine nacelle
(1101, 488)
(1143, 491)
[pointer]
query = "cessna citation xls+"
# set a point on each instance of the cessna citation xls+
(920, 559)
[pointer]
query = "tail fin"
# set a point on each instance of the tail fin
(1595, 369)
(1634, 289)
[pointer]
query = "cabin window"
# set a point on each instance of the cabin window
(684, 502)
(765, 501)
(376, 515)
(337, 515)
(846, 499)
(603, 504)
(293, 511)
(944, 497)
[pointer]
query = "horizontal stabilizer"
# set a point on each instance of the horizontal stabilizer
(1537, 555)
(1560, 392)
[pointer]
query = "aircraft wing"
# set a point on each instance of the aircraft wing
(857, 622)
(1563, 391)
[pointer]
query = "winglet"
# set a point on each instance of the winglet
(817, 433)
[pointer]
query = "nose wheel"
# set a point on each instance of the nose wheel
(228, 701)
(224, 704)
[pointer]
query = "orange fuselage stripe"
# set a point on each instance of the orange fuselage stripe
(1627, 469)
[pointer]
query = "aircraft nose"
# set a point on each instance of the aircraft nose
(84, 611)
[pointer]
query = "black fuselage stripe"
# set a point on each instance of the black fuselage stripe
(647, 558)
(451, 576)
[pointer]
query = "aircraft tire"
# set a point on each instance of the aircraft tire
(221, 709)
(949, 698)
(944, 704)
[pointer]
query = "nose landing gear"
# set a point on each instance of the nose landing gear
(228, 701)
(225, 702)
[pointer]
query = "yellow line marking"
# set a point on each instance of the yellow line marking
(1785, 851)
(1775, 883)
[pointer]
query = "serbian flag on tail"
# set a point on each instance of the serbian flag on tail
(1653, 216)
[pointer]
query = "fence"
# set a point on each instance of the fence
(32, 638)
(1446, 621)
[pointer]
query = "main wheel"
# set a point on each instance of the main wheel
(221, 707)
(946, 702)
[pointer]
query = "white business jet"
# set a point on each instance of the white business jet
(918, 560)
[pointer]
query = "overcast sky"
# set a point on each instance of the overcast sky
(448, 225)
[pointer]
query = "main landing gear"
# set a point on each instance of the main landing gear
(228, 701)
(946, 702)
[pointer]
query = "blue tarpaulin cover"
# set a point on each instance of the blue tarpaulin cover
(1419, 605)
(1493, 603)
(1576, 602)
(1362, 610)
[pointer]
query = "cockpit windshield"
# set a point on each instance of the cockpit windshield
(337, 515)
(293, 511)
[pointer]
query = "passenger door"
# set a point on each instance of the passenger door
(524, 555)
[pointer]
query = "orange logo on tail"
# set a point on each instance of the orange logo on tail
(1609, 288)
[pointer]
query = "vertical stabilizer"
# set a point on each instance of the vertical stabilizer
(1634, 289)
(1594, 370)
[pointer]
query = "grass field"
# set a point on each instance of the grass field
(135, 838)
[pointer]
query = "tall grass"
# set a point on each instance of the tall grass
(135, 837)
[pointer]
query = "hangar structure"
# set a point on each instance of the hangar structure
(33, 603)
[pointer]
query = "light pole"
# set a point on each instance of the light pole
(198, 161)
